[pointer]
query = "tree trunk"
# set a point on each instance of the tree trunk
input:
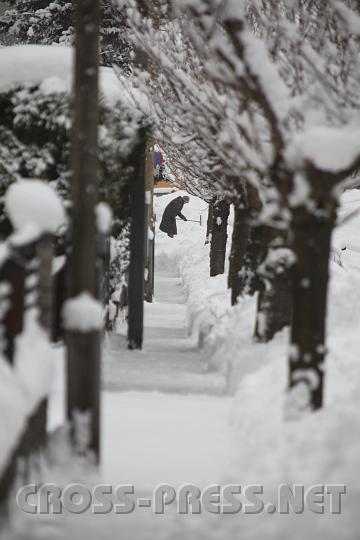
(83, 348)
(274, 303)
(254, 255)
(239, 243)
(150, 221)
(311, 244)
(274, 300)
(219, 237)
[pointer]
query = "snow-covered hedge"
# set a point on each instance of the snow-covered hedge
(35, 125)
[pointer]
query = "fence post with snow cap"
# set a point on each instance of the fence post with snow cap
(83, 335)
(25, 292)
(12, 295)
(35, 212)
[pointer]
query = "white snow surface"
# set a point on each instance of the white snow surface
(11, 398)
(328, 148)
(34, 361)
(103, 217)
(34, 64)
(50, 66)
(25, 385)
(163, 419)
(34, 207)
(82, 313)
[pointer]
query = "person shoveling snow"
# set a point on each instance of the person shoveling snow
(173, 209)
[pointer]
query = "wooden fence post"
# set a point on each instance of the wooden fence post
(36, 433)
(26, 282)
(12, 278)
(83, 348)
(45, 255)
(137, 246)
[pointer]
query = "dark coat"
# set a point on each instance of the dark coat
(173, 209)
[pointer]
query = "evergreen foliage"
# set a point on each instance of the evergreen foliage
(46, 22)
(35, 131)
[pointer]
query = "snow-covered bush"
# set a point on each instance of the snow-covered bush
(35, 131)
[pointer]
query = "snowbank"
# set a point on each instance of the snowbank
(322, 448)
(208, 298)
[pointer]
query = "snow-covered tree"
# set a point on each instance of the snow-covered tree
(268, 92)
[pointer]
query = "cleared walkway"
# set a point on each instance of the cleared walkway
(162, 409)
(165, 420)
(170, 360)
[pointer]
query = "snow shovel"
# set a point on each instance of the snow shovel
(192, 220)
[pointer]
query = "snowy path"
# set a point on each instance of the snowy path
(163, 438)
(170, 360)
(164, 418)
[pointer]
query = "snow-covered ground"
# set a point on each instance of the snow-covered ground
(322, 448)
(165, 417)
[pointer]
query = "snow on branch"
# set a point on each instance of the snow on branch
(237, 85)
(327, 148)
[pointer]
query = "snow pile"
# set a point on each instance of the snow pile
(83, 313)
(208, 298)
(321, 448)
(34, 208)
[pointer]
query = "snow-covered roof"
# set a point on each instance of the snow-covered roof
(51, 66)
